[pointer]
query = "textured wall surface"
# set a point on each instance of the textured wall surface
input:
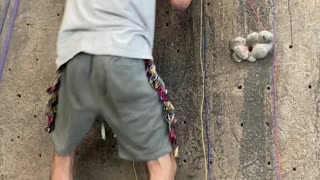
(239, 98)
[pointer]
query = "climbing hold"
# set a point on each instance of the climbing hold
(255, 46)
(239, 48)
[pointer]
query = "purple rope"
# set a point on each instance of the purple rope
(274, 95)
(4, 15)
(8, 38)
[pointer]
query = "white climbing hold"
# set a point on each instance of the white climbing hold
(255, 46)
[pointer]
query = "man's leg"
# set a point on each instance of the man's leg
(75, 115)
(164, 168)
(62, 167)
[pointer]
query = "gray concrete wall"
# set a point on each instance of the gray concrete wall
(238, 100)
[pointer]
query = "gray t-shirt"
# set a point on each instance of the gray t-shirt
(107, 27)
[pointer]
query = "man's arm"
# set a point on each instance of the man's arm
(180, 4)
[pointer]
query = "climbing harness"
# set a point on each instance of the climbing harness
(9, 35)
(157, 83)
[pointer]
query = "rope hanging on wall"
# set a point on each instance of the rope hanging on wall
(4, 15)
(277, 156)
(9, 37)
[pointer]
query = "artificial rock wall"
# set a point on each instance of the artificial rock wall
(241, 102)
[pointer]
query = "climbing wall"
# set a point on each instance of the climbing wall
(258, 121)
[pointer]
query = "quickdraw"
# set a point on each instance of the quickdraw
(157, 83)
(51, 108)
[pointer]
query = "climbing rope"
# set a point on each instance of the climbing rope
(276, 153)
(202, 90)
(207, 101)
(4, 15)
(9, 37)
(258, 19)
(134, 170)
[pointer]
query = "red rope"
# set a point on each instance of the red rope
(275, 97)
(252, 6)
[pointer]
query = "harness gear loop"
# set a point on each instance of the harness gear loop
(157, 83)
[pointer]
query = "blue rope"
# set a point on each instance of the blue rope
(4, 15)
(8, 38)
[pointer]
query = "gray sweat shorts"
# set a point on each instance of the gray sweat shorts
(117, 89)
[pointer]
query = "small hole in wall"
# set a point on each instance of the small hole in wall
(28, 24)
(167, 12)
(269, 163)
(35, 116)
(310, 86)
(9, 69)
(167, 24)
(290, 46)
(178, 50)
(210, 162)
(40, 155)
(37, 59)
(184, 122)
(11, 139)
(268, 88)
(208, 4)
(239, 87)
(241, 124)
(19, 95)
(184, 160)
(294, 169)
(113, 146)
(268, 124)
(58, 14)
(18, 137)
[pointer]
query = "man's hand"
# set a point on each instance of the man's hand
(180, 4)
